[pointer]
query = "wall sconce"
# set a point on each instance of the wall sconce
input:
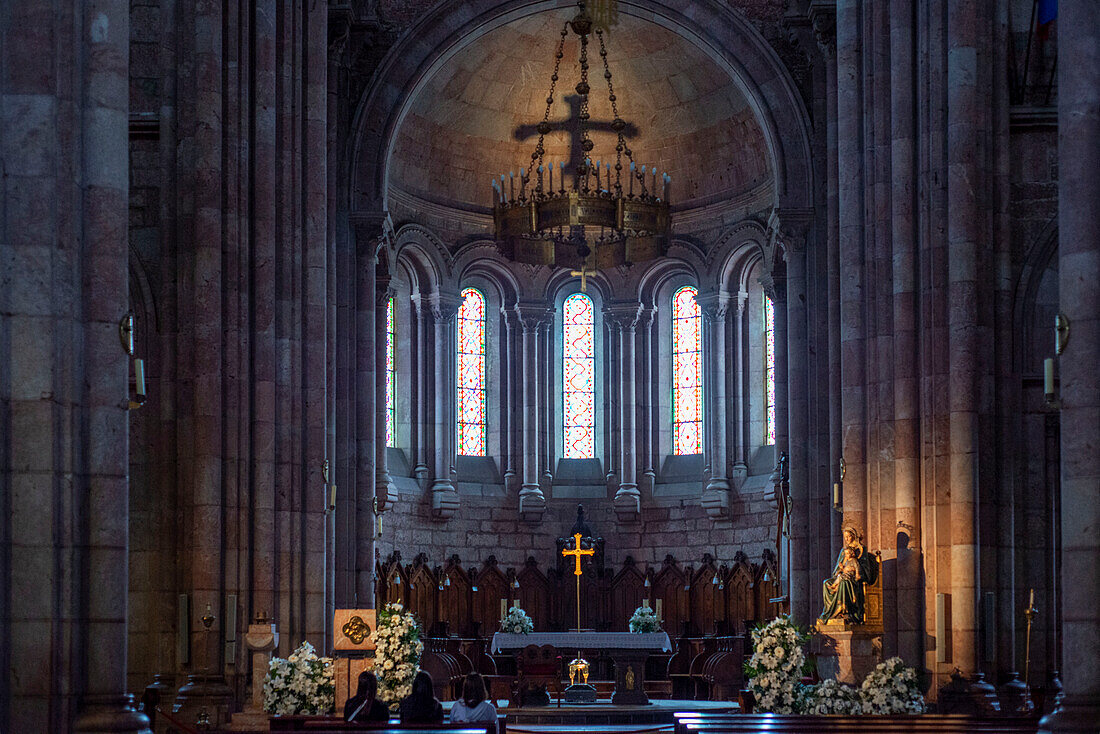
(1061, 333)
(331, 487)
(377, 518)
(1049, 395)
(126, 336)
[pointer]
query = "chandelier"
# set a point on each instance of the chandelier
(591, 213)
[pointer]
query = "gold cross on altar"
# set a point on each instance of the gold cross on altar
(583, 273)
(577, 552)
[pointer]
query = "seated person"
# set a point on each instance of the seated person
(473, 707)
(421, 707)
(364, 706)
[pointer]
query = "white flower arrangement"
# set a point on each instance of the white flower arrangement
(516, 622)
(645, 619)
(892, 688)
(775, 668)
(397, 650)
(832, 697)
(301, 684)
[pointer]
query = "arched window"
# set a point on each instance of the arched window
(471, 374)
(391, 372)
(579, 377)
(769, 371)
(687, 373)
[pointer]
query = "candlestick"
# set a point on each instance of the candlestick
(836, 495)
(660, 607)
(1048, 376)
(503, 608)
(139, 378)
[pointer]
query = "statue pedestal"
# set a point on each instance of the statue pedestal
(261, 639)
(846, 652)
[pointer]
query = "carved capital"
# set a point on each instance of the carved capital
(623, 314)
(444, 306)
(713, 304)
(823, 19)
(788, 230)
(532, 315)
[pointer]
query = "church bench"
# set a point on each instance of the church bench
(337, 723)
(807, 724)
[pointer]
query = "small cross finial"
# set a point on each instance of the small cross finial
(583, 273)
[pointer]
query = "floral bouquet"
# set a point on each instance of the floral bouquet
(892, 688)
(775, 667)
(301, 684)
(516, 622)
(832, 697)
(397, 649)
(645, 619)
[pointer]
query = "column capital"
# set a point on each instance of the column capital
(373, 231)
(647, 316)
(532, 314)
(383, 291)
(713, 304)
(444, 306)
(623, 314)
(788, 230)
(823, 19)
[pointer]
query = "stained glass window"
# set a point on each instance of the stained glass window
(391, 371)
(471, 374)
(579, 376)
(769, 371)
(687, 373)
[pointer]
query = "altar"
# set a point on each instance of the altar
(627, 650)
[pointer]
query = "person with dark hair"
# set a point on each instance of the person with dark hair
(473, 706)
(422, 707)
(364, 706)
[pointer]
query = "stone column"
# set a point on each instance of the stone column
(647, 434)
(1079, 296)
(507, 397)
(383, 484)
(623, 318)
(444, 497)
(716, 496)
(532, 501)
(851, 253)
(419, 376)
(793, 227)
(365, 395)
(740, 405)
(546, 429)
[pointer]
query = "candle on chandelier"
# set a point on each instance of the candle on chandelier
(631, 192)
(512, 185)
(655, 181)
(561, 175)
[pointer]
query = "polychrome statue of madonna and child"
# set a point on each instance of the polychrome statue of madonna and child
(843, 591)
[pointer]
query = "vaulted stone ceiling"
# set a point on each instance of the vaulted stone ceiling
(470, 118)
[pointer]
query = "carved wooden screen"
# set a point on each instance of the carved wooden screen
(669, 587)
(534, 595)
(740, 604)
(455, 599)
(706, 603)
(422, 594)
(627, 591)
(767, 587)
(395, 582)
(491, 588)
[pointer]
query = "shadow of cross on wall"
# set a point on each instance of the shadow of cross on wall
(571, 125)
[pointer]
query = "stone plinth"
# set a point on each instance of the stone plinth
(261, 639)
(846, 653)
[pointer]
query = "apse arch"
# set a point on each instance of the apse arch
(724, 36)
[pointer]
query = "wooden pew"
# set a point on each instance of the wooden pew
(807, 724)
(337, 724)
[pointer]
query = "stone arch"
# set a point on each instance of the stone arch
(725, 36)
(425, 256)
(1042, 253)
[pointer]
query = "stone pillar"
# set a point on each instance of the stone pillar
(646, 431)
(1079, 296)
(906, 464)
(507, 397)
(419, 375)
(532, 501)
(623, 318)
(546, 429)
(792, 229)
(365, 412)
(967, 102)
(851, 253)
(716, 496)
(740, 404)
(383, 484)
(444, 497)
